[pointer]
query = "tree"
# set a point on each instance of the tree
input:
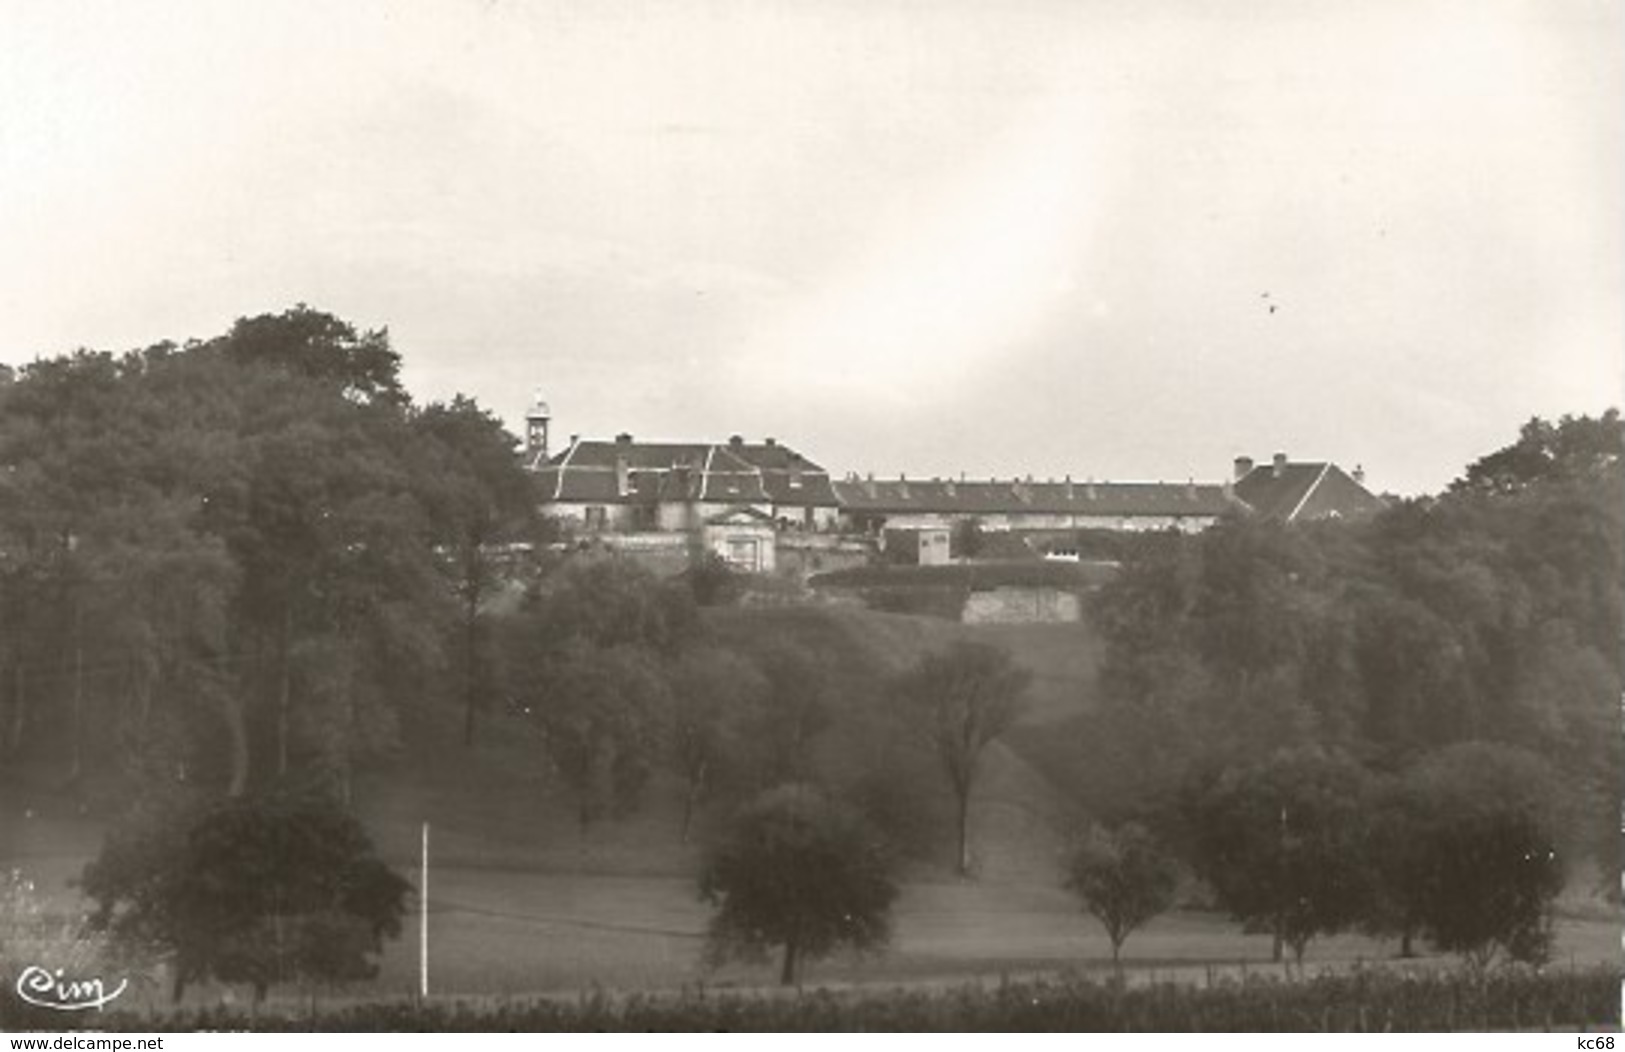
(1150, 723)
(1281, 843)
(1400, 822)
(479, 496)
(114, 600)
(795, 710)
(1575, 448)
(800, 872)
(267, 888)
(968, 695)
(601, 712)
(608, 602)
(314, 344)
(1487, 866)
(715, 693)
(1123, 878)
(587, 658)
(713, 581)
(967, 540)
(193, 525)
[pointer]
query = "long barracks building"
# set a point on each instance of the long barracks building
(754, 490)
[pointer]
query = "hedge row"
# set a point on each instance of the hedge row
(1364, 1001)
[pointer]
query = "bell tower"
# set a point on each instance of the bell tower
(537, 418)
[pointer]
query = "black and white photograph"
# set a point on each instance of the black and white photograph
(811, 516)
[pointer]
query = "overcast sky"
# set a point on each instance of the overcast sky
(984, 236)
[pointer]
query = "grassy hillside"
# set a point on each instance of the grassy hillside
(521, 901)
(493, 805)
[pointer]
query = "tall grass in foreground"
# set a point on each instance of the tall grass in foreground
(1372, 1000)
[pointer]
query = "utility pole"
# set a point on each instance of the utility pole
(423, 919)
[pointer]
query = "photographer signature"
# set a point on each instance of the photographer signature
(46, 989)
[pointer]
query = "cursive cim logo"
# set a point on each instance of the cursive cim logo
(47, 989)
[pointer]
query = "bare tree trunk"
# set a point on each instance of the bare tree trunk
(352, 735)
(231, 710)
(284, 691)
(691, 800)
(19, 711)
(964, 831)
(789, 973)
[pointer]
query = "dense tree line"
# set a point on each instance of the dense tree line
(1490, 613)
(1407, 725)
(227, 571)
(227, 562)
(1461, 849)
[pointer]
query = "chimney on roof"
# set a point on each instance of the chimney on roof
(623, 474)
(1089, 490)
(1190, 489)
(1243, 466)
(1279, 467)
(623, 439)
(770, 441)
(902, 485)
(1071, 493)
(1359, 474)
(949, 489)
(869, 485)
(735, 441)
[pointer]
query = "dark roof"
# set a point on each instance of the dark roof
(991, 497)
(587, 472)
(1304, 490)
(772, 456)
(789, 477)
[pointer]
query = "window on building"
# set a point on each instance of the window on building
(742, 553)
(597, 517)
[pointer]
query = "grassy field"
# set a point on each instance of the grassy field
(521, 902)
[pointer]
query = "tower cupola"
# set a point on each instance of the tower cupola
(537, 419)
